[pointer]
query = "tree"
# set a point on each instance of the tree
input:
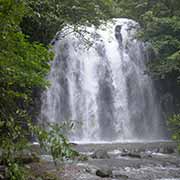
(23, 66)
(48, 17)
(160, 26)
(24, 63)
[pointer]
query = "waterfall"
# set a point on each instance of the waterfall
(103, 88)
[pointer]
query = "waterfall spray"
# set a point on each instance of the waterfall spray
(104, 87)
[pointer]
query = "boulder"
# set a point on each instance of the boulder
(100, 154)
(132, 154)
(104, 173)
(169, 150)
(166, 150)
(91, 170)
(136, 153)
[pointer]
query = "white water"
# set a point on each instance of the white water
(104, 89)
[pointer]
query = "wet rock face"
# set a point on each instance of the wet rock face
(167, 104)
(118, 34)
(166, 150)
(132, 161)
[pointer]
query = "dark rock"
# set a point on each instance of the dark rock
(2, 172)
(118, 34)
(169, 150)
(167, 104)
(132, 154)
(100, 154)
(135, 155)
(166, 150)
(91, 169)
(121, 176)
(104, 173)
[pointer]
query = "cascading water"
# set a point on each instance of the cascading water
(104, 88)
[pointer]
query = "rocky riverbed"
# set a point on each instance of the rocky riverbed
(108, 161)
(120, 161)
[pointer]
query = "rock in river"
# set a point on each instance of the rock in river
(104, 173)
(100, 154)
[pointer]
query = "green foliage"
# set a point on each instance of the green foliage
(174, 124)
(54, 142)
(24, 63)
(160, 22)
(16, 172)
(12, 143)
(23, 66)
(58, 144)
(50, 16)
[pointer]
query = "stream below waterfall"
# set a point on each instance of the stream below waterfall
(122, 161)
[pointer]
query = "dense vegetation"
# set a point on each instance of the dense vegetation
(160, 22)
(160, 25)
(26, 28)
(49, 17)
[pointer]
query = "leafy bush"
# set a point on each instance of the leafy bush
(54, 142)
(12, 143)
(24, 64)
(49, 17)
(16, 172)
(174, 124)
